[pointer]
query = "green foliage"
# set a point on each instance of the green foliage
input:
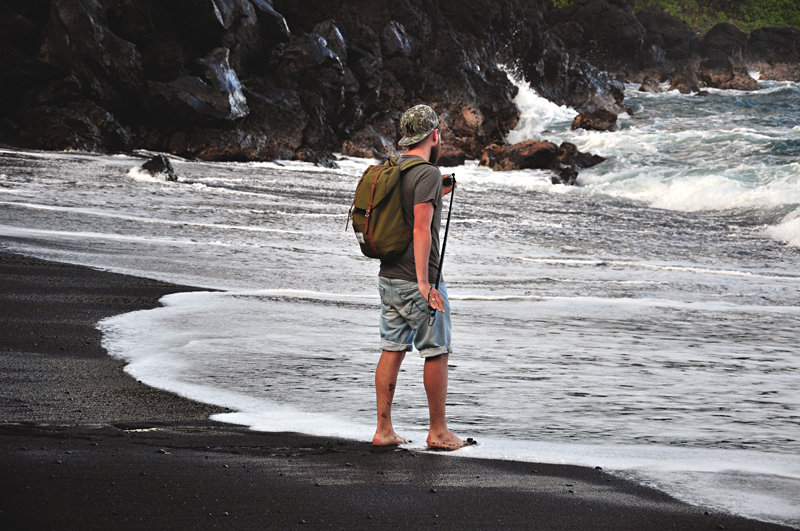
(747, 15)
(702, 15)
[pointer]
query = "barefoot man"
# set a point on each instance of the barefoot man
(406, 289)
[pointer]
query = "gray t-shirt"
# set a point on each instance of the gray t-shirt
(420, 184)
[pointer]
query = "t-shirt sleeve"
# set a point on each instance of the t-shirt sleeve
(428, 186)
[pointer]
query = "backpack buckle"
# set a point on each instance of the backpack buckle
(366, 214)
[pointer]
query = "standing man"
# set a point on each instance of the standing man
(406, 287)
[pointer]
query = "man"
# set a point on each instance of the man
(406, 289)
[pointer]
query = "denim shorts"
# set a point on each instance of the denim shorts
(404, 319)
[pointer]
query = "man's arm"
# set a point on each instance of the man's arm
(423, 216)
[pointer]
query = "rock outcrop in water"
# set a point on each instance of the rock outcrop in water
(267, 79)
(160, 165)
(564, 160)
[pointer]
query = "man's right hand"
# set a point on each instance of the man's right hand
(432, 295)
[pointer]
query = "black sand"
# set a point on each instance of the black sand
(85, 446)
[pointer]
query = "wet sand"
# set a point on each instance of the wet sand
(85, 446)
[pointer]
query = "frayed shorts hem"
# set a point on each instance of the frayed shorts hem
(394, 347)
(433, 352)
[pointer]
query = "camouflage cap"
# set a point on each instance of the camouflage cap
(417, 123)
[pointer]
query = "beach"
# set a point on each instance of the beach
(85, 446)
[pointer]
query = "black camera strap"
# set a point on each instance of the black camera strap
(432, 317)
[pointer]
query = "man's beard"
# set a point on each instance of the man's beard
(434, 157)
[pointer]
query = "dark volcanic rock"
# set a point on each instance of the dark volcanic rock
(563, 159)
(531, 154)
(775, 53)
(610, 32)
(567, 176)
(723, 65)
(723, 40)
(568, 156)
(160, 165)
(599, 120)
(395, 41)
(108, 68)
(328, 31)
(451, 156)
(82, 126)
(726, 73)
(318, 159)
(650, 85)
(667, 32)
(373, 142)
(254, 79)
(163, 61)
(774, 45)
(685, 81)
(218, 73)
(567, 79)
(187, 100)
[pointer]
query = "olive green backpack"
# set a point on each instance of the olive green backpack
(377, 210)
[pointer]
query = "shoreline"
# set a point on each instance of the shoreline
(86, 446)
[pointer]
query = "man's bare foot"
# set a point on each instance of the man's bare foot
(387, 439)
(448, 442)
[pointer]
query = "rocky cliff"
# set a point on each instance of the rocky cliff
(272, 79)
(651, 44)
(267, 79)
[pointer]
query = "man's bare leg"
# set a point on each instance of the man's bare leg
(385, 383)
(435, 378)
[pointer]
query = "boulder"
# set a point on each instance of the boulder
(599, 120)
(160, 165)
(726, 73)
(775, 53)
(685, 81)
(530, 154)
(567, 176)
(371, 142)
(451, 156)
(568, 156)
(650, 85)
(317, 159)
(723, 40)
(774, 45)
(351, 149)
(543, 155)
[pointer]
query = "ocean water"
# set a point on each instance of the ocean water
(646, 321)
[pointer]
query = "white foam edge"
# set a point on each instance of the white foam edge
(700, 476)
(787, 231)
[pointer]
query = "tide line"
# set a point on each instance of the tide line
(686, 269)
(100, 213)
